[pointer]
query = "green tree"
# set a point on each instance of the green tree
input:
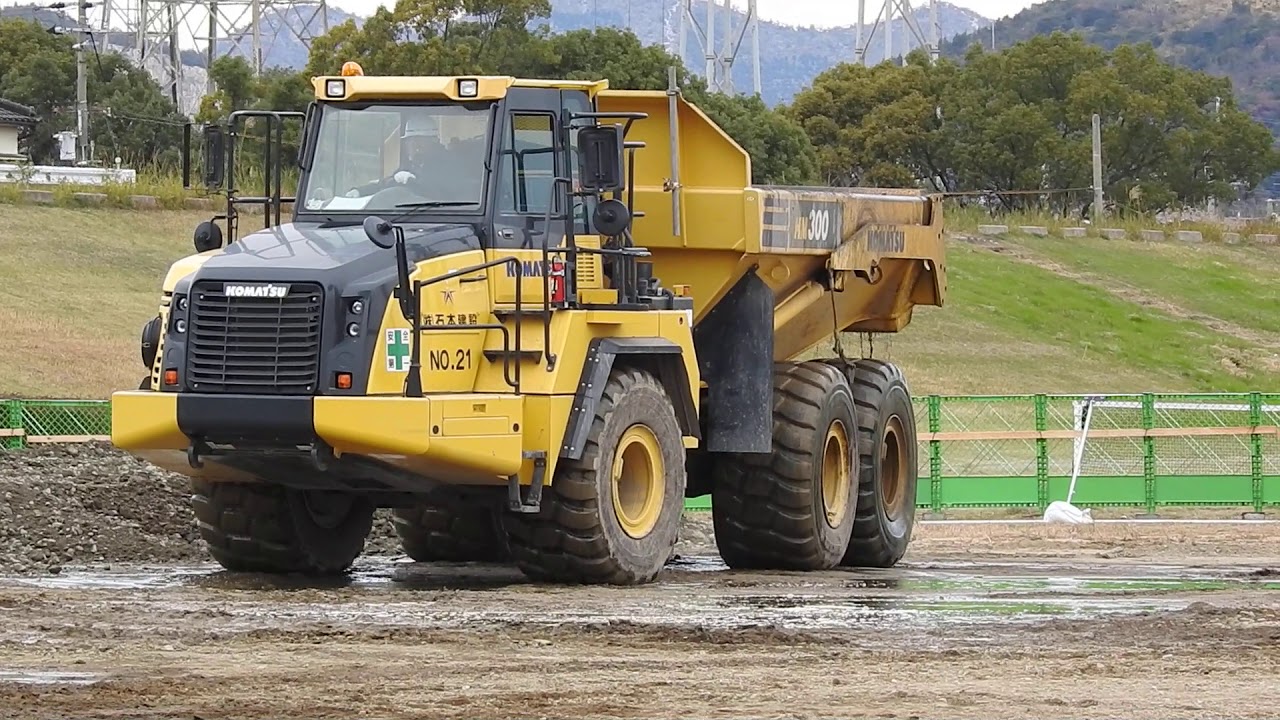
(130, 117)
(133, 119)
(1021, 120)
(38, 69)
(878, 125)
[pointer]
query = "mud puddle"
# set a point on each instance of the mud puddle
(48, 677)
(692, 592)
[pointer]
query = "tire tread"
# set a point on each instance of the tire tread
(763, 505)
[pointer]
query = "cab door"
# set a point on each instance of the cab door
(529, 160)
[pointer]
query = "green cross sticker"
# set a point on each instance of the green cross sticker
(398, 350)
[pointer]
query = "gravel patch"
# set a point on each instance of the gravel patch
(90, 504)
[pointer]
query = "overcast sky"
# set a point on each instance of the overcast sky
(845, 12)
(822, 13)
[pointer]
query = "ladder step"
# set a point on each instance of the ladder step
(509, 314)
(497, 355)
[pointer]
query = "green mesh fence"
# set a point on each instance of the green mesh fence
(55, 420)
(1018, 451)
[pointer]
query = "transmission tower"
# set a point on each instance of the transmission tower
(888, 10)
(719, 61)
(159, 29)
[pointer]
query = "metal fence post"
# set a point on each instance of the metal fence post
(935, 455)
(1042, 451)
(12, 421)
(1149, 451)
(1255, 448)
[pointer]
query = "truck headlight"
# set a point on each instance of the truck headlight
(468, 88)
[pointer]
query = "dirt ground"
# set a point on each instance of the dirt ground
(965, 629)
(1168, 620)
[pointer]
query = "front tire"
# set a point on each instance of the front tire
(448, 526)
(612, 516)
(793, 509)
(259, 527)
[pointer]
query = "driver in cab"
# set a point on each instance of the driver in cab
(421, 149)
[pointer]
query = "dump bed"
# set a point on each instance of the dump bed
(884, 246)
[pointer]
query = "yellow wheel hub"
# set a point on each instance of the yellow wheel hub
(835, 473)
(893, 469)
(639, 481)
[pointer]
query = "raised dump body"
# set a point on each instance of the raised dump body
(533, 316)
(788, 236)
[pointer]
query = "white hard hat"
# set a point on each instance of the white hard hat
(418, 125)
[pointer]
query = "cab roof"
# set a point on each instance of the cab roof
(400, 87)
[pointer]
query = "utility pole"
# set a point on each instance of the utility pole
(82, 85)
(1098, 208)
(82, 32)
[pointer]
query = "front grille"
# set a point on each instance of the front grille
(254, 345)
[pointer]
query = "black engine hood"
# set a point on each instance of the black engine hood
(336, 257)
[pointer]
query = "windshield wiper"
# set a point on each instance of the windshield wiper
(331, 222)
(437, 203)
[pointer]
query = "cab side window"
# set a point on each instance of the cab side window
(528, 166)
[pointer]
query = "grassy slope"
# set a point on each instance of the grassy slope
(75, 288)
(1025, 315)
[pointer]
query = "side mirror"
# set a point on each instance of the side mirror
(208, 236)
(600, 156)
(215, 158)
(379, 232)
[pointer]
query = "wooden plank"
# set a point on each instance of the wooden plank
(50, 439)
(12, 432)
(993, 435)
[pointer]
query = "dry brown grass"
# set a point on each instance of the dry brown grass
(75, 288)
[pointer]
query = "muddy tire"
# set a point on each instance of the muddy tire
(257, 527)
(887, 465)
(593, 527)
(793, 509)
(448, 526)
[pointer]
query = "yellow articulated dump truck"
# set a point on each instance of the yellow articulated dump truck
(532, 317)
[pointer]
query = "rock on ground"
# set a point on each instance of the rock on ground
(90, 504)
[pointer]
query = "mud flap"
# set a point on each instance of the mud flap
(658, 355)
(735, 353)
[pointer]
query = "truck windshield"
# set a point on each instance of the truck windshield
(376, 158)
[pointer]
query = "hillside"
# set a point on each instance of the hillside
(1238, 39)
(1024, 315)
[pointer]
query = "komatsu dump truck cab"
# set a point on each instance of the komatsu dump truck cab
(534, 316)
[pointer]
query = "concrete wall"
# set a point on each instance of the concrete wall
(8, 141)
(59, 174)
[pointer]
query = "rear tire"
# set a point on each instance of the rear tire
(449, 526)
(593, 527)
(259, 527)
(793, 509)
(887, 460)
